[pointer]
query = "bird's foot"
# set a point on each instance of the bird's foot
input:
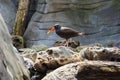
(65, 45)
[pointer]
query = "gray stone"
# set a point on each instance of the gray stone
(99, 16)
(101, 53)
(8, 11)
(11, 65)
(53, 58)
(86, 70)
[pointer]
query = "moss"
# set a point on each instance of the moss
(80, 48)
(20, 17)
(116, 2)
(108, 69)
(111, 43)
(38, 48)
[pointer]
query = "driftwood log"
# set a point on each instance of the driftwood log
(21, 17)
(87, 70)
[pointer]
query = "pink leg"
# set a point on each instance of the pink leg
(67, 42)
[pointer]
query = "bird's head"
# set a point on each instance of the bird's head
(55, 27)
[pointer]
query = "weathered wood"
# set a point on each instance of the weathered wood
(21, 17)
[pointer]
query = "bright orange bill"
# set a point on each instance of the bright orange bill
(51, 30)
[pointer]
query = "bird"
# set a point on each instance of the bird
(65, 32)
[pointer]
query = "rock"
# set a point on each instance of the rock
(47, 60)
(29, 53)
(78, 49)
(11, 65)
(72, 44)
(98, 16)
(31, 11)
(18, 41)
(53, 58)
(39, 48)
(15, 2)
(87, 70)
(29, 64)
(8, 11)
(101, 53)
(36, 52)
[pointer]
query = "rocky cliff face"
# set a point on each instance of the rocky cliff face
(99, 16)
(11, 66)
(8, 11)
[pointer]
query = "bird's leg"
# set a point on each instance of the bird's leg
(67, 42)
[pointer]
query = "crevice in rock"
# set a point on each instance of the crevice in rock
(99, 2)
(31, 11)
(63, 10)
(51, 21)
(42, 39)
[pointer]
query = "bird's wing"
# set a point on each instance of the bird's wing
(66, 29)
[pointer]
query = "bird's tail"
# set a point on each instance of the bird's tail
(82, 33)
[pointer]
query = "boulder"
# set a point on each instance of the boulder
(8, 9)
(18, 41)
(91, 58)
(86, 70)
(72, 44)
(50, 59)
(53, 58)
(11, 65)
(101, 53)
(100, 17)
